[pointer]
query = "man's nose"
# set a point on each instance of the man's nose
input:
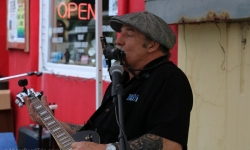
(119, 41)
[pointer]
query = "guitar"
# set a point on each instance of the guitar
(61, 136)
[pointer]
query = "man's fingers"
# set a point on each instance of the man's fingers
(44, 101)
(29, 105)
(31, 109)
(26, 100)
(73, 145)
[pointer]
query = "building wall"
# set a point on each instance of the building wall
(21, 62)
(215, 57)
(4, 57)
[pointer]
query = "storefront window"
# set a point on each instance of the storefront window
(73, 31)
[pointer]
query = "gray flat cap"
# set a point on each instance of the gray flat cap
(149, 24)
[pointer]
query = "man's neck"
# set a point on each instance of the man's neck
(138, 70)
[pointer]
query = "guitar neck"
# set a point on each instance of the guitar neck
(62, 137)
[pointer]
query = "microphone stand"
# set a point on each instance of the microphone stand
(116, 93)
(119, 90)
(110, 52)
(21, 75)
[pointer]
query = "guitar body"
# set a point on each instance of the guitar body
(87, 135)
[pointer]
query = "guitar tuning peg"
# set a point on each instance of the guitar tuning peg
(20, 105)
(17, 101)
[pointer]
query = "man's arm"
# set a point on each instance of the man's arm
(71, 128)
(152, 142)
(147, 141)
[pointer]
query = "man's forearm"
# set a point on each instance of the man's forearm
(147, 141)
(71, 128)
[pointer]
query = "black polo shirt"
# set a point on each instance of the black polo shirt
(164, 111)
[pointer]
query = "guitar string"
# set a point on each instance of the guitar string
(57, 125)
(53, 126)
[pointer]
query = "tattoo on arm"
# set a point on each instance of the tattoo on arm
(147, 141)
(74, 127)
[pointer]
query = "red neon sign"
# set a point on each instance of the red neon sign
(72, 8)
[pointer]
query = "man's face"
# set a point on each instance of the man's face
(134, 44)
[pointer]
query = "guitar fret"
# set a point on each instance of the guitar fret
(63, 138)
(58, 136)
(67, 145)
(38, 107)
(65, 142)
(50, 123)
(47, 118)
(42, 113)
(56, 129)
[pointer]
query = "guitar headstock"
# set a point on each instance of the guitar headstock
(26, 92)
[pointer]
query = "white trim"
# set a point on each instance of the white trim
(98, 26)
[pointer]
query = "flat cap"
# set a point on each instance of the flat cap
(149, 24)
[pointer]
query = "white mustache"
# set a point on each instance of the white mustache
(119, 47)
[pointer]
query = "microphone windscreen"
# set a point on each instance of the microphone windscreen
(116, 67)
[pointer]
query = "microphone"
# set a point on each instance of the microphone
(111, 52)
(116, 71)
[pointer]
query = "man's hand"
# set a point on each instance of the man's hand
(31, 110)
(88, 146)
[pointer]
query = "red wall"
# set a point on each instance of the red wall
(22, 62)
(4, 55)
(75, 98)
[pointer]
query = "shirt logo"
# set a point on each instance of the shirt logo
(133, 97)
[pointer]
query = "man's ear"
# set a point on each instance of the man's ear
(153, 47)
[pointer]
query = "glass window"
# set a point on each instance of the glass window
(71, 33)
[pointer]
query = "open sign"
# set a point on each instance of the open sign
(84, 10)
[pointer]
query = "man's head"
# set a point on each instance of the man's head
(149, 24)
(143, 36)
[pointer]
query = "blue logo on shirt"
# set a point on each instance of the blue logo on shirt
(132, 97)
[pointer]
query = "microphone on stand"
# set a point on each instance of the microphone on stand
(116, 71)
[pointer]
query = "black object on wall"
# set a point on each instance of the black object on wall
(28, 137)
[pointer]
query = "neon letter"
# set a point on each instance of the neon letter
(90, 9)
(59, 8)
(71, 10)
(82, 10)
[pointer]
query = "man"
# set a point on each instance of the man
(157, 97)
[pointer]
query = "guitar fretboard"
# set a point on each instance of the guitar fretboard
(62, 137)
